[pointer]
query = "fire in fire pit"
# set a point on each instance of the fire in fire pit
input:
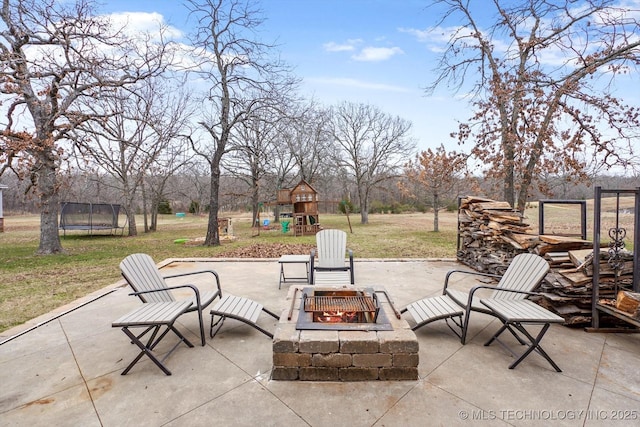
(342, 306)
(341, 310)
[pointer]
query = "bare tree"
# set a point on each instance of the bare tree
(254, 142)
(193, 186)
(541, 74)
(156, 186)
(371, 145)
(137, 140)
(308, 138)
(235, 66)
(301, 147)
(282, 167)
(437, 172)
(55, 55)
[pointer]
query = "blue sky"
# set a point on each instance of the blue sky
(350, 50)
(366, 51)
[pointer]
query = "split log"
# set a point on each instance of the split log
(465, 202)
(629, 302)
(577, 278)
(555, 239)
(581, 257)
(512, 242)
(560, 243)
(526, 240)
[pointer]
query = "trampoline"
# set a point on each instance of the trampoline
(90, 217)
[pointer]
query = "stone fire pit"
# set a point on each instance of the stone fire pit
(343, 355)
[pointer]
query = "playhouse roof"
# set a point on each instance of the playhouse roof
(303, 187)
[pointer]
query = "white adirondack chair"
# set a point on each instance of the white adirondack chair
(331, 266)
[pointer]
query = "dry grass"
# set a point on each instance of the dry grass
(31, 285)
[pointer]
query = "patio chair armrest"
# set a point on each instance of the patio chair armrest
(476, 288)
(474, 273)
(193, 288)
(215, 275)
(496, 288)
(352, 276)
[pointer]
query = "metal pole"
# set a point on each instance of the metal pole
(1, 212)
(597, 199)
(636, 243)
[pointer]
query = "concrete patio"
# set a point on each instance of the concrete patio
(67, 372)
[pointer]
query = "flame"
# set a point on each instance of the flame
(338, 317)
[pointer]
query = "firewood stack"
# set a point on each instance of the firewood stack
(569, 292)
(491, 234)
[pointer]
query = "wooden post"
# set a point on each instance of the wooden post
(1, 213)
(345, 205)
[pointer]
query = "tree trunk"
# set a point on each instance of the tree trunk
(276, 209)
(130, 208)
(364, 217)
(255, 203)
(436, 209)
(131, 214)
(364, 206)
(133, 228)
(154, 220)
(509, 175)
(144, 207)
(153, 213)
(50, 206)
(213, 234)
(276, 213)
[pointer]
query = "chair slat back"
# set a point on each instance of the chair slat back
(524, 274)
(143, 274)
(332, 248)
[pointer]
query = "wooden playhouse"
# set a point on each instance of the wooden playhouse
(303, 199)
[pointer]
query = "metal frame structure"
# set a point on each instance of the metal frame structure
(583, 213)
(617, 235)
(306, 317)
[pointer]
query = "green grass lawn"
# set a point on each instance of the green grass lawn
(31, 285)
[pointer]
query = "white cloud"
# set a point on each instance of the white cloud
(437, 39)
(421, 35)
(434, 34)
(370, 54)
(354, 83)
(377, 53)
(348, 46)
(144, 22)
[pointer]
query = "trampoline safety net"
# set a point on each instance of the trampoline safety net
(89, 216)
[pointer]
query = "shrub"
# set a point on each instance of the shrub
(345, 206)
(164, 207)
